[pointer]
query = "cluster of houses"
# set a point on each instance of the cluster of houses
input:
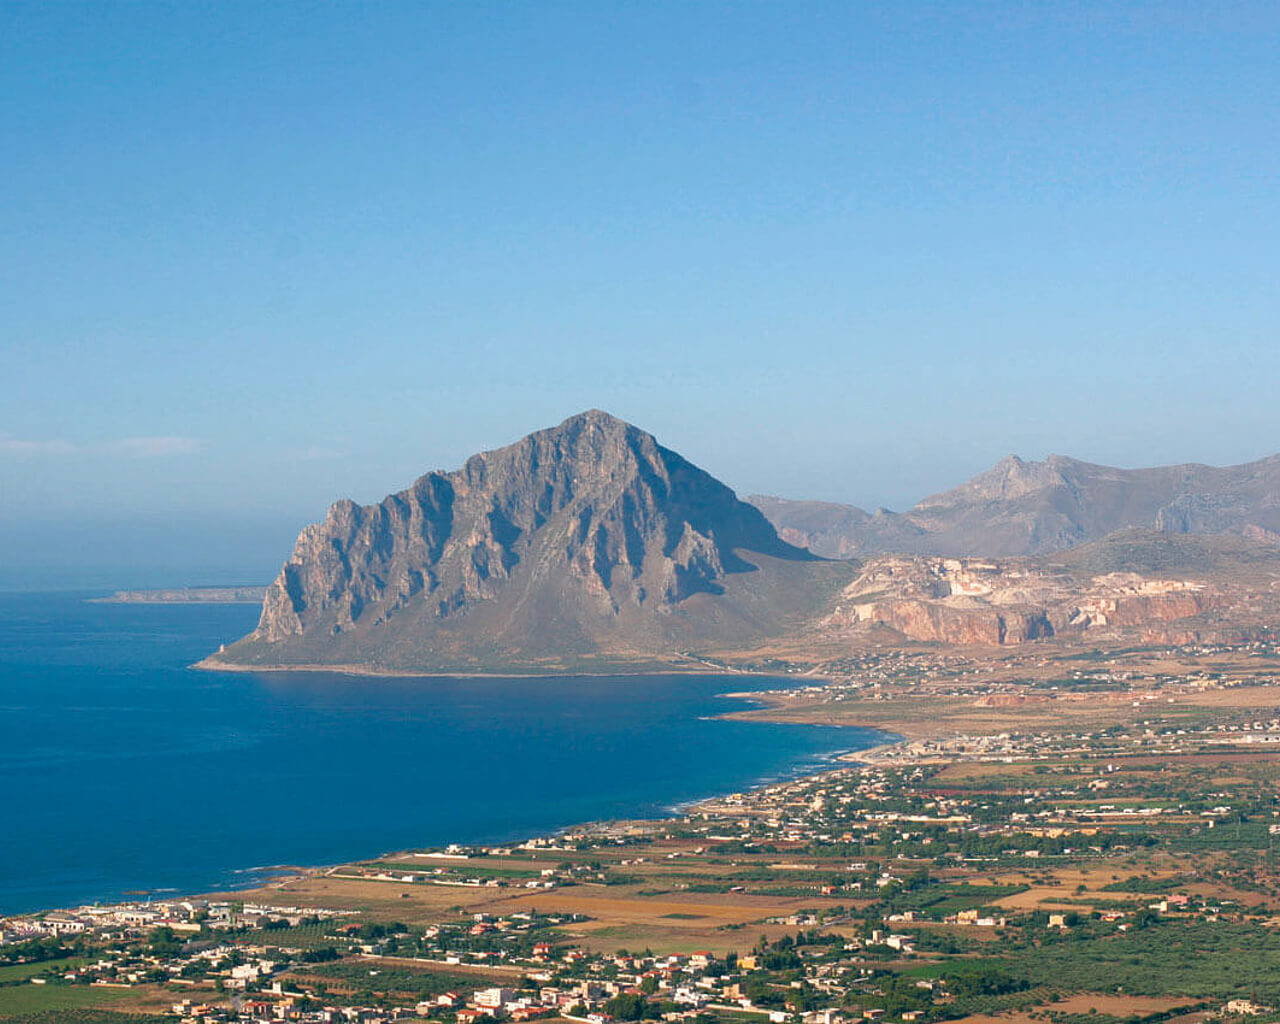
(676, 979)
(184, 916)
(265, 1011)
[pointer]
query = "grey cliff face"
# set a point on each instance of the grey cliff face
(568, 528)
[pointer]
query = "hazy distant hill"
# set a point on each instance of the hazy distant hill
(585, 545)
(1019, 508)
(187, 595)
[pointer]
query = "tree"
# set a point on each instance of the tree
(163, 940)
(626, 1007)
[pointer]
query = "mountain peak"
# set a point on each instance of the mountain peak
(591, 419)
(1010, 478)
(594, 415)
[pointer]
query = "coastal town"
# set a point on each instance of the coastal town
(1122, 873)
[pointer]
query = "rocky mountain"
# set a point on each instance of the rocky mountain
(586, 546)
(1023, 508)
(589, 547)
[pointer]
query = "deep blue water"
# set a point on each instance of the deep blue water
(121, 769)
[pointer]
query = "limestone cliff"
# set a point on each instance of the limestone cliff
(585, 543)
(981, 601)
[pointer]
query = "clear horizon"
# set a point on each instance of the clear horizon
(261, 258)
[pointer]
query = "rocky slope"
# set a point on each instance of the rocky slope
(1023, 508)
(1133, 586)
(585, 546)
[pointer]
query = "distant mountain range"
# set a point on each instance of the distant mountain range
(589, 547)
(1029, 508)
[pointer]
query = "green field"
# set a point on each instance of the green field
(21, 972)
(1181, 958)
(86, 1017)
(304, 936)
(20, 999)
(370, 976)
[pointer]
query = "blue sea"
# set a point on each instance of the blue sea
(122, 770)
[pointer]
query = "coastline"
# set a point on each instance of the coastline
(775, 710)
(838, 760)
(55, 882)
(209, 664)
(171, 601)
(281, 875)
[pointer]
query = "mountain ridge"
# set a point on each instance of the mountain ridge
(1028, 507)
(590, 548)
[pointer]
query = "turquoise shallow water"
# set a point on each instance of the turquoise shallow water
(121, 769)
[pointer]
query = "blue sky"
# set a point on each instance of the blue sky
(255, 257)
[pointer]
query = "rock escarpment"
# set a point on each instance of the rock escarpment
(979, 601)
(585, 543)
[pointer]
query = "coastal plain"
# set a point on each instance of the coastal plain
(1087, 837)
